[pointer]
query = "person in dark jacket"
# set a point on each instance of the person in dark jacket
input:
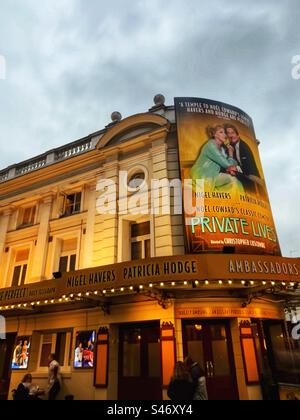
(181, 387)
(242, 152)
(22, 392)
(198, 378)
(248, 172)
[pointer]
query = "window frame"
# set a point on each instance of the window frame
(22, 264)
(140, 239)
(32, 219)
(72, 206)
(69, 255)
(68, 348)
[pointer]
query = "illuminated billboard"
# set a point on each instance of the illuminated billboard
(84, 350)
(219, 160)
(21, 354)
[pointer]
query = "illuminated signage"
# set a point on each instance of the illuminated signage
(219, 158)
(202, 267)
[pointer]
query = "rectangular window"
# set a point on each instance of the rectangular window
(140, 241)
(28, 216)
(60, 348)
(67, 263)
(58, 343)
(136, 251)
(68, 256)
(73, 262)
(46, 350)
(63, 264)
(20, 268)
(72, 204)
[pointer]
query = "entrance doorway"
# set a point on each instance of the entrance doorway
(209, 343)
(140, 362)
(6, 355)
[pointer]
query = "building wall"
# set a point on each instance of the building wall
(80, 383)
(101, 240)
(98, 235)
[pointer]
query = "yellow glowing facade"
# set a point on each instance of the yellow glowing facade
(50, 224)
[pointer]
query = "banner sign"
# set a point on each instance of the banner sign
(228, 312)
(178, 268)
(218, 151)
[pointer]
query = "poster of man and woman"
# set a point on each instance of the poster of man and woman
(84, 351)
(218, 146)
(21, 353)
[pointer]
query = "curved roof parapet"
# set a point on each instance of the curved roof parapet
(119, 130)
(131, 127)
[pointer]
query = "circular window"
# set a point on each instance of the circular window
(136, 180)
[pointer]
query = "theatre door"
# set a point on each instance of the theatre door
(209, 343)
(6, 355)
(140, 362)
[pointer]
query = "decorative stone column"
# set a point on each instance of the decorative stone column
(41, 249)
(106, 225)
(87, 251)
(162, 222)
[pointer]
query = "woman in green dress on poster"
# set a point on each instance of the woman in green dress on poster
(216, 166)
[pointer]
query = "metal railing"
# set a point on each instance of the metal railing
(73, 150)
(4, 176)
(31, 166)
(54, 156)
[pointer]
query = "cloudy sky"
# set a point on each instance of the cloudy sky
(70, 63)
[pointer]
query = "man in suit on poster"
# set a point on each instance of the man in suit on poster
(248, 172)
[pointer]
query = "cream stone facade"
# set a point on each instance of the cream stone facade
(50, 224)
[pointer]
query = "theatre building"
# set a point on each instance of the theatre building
(94, 268)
